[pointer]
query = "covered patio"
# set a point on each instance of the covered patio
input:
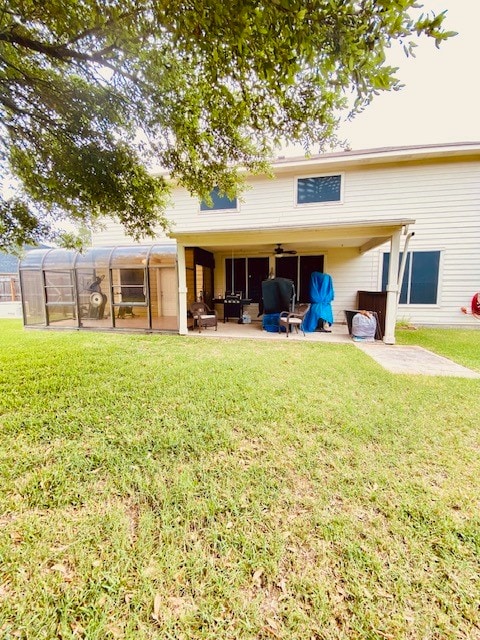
(336, 246)
(254, 331)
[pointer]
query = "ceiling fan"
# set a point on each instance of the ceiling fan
(280, 251)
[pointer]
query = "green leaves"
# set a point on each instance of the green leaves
(92, 93)
(18, 225)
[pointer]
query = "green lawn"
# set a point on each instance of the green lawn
(161, 487)
(462, 346)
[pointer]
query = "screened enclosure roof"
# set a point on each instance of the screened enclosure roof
(106, 257)
(95, 258)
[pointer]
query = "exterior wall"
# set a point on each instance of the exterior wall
(446, 206)
(351, 272)
(110, 235)
(443, 197)
(113, 234)
(442, 194)
(369, 194)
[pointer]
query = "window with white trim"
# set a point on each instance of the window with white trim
(220, 202)
(316, 189)
(421, 277)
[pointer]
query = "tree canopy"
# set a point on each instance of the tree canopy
(94, 93)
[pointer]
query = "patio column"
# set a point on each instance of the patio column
(182, 290)
(392, 288)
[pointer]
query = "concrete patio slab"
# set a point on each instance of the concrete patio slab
(254, 331)
(414, 360)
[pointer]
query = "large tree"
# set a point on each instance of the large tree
(93, 92)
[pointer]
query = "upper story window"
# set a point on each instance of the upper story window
(319, 189)
(220, 202)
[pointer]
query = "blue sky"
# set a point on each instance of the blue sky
(441, 98)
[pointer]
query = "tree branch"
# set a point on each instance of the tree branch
(65, 54)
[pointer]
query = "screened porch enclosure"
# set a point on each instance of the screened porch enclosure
(130, 288)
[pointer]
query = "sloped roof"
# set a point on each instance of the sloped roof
(382, 155)
(418, 150)
(448, 151)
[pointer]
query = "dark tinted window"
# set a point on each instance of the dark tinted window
(299, 269)
(420, 281)
(318, 189)
(235, 278)
(218, 202)
(424, 281)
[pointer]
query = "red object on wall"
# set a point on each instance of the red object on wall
(476, 304)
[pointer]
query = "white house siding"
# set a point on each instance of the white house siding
(113, 234)
(110, 235)
(350, 272)
(442, 194)
(446, 206)
(369, 194)
(443, 197)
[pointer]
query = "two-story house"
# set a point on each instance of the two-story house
(350, 214)
(403, 222)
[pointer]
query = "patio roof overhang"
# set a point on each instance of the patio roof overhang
(364, 235)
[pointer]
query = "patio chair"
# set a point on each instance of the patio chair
(289, 319)
(203, 316)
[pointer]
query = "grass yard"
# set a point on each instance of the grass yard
(462, 346)
(161, 487)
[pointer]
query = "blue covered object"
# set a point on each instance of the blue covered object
(321, 296)
(270, 322)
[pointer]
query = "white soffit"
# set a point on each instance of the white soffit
(362, 235)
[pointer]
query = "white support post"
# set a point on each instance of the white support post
(182, 290)
(392, 288)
